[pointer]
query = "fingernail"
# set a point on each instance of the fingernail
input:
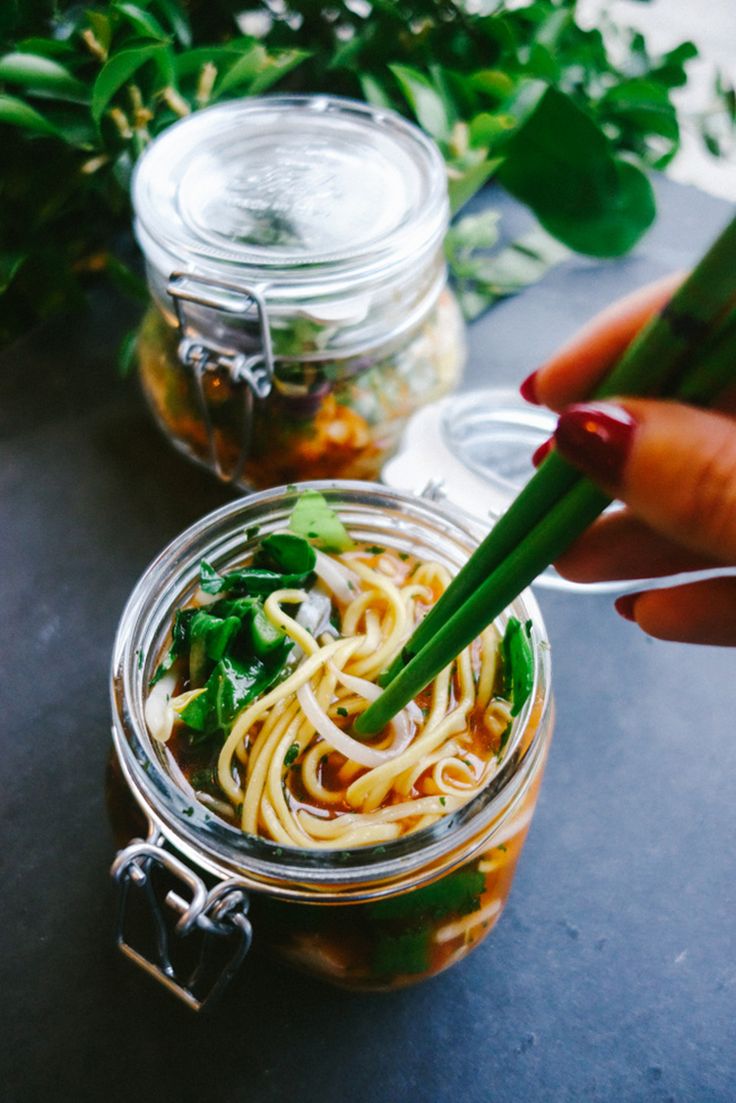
(543, 451)
(596, 438)
(624, 606)
(528, 390)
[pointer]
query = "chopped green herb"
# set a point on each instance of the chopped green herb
(252, 531)
(139, 654)
(404, 556)
(187, 811)
(375, 549)
(341, 711)
(443, 801)
(292, 754)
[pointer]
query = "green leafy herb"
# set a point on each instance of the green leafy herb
(375, 549)
(341, 711)
(288, 553)
(314, 518)
(518, 663)
(291, 755)
(230, 687)
(88, 86)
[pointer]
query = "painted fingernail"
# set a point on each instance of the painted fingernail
(528, 390)
(543, 451)
(596, 437)
(624, 606)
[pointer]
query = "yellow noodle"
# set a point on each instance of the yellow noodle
(280, 619)
(488, 665)
(253, 712)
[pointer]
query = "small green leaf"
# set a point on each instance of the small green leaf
(374, 92)
(314, 518)
(10, 263)
(141, 20)
(177, 18)
(210, 580)
(286, 552)
(518, 663)
(119, 69)
(431, 110)
(37, 73)
(15, 112)
(127, 353)
(560, 164)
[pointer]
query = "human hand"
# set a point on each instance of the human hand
(673, 466)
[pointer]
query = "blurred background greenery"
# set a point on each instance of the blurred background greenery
(568, 118)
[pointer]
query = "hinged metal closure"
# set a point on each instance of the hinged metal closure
(252, 374)
(212, 919)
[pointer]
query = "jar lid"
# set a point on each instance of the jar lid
(475, 449)
(289, 191)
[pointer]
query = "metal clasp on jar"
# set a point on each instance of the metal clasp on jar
(251, 374)
(212, 931)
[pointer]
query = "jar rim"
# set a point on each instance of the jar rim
(201, 203)
(225, 850)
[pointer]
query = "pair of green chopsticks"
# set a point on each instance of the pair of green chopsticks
(687, 352)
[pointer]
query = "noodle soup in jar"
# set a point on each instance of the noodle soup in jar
(245, 656)
(300, 309)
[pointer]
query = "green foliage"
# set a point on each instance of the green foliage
(525, 94)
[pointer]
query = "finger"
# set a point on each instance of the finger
(699, 612)
(620, 546)
(574, 372)
(673, 465)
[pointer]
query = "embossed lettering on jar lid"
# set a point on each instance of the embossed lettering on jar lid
(291, 191)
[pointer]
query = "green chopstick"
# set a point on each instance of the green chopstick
(651, 362)
(558, 504)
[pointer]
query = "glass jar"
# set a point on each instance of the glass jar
(373, 917)
(300, 309)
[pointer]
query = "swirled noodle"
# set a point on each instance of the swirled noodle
(287, 768)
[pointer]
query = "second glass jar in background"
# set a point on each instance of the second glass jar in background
(300, 315)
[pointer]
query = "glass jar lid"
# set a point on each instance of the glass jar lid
(291, 191)
(475, 450)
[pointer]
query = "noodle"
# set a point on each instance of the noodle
(287, 766)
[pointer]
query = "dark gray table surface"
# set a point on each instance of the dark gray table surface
(612, 975)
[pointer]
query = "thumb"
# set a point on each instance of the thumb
(673, 465)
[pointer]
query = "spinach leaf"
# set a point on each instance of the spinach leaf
(396, 954)
(457, 894)
(518, 663)
(286, 552)
(179, 642)
(231, 686)
(313, 518)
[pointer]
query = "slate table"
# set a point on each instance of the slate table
(612, 975)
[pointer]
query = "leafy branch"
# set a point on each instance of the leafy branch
(524, 95)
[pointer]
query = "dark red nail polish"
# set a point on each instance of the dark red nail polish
(528, 390)
(596, 438)
(543, 451)
(624, 606)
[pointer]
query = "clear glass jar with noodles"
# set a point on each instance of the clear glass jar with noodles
(372, 864)
(300, 308)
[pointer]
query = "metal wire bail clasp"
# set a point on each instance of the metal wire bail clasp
(209, 939)
(251, 374)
